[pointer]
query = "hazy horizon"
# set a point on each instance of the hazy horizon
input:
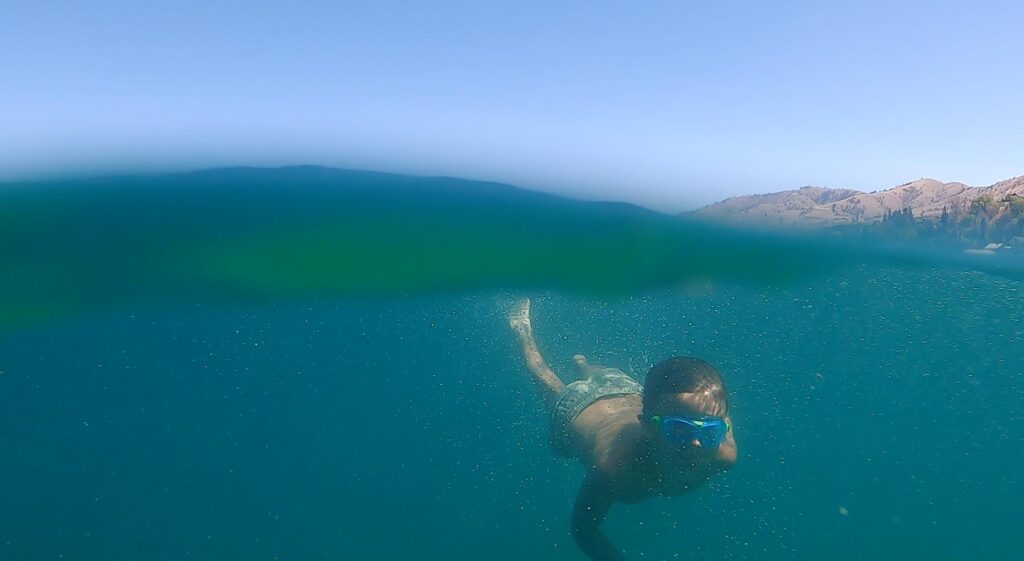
(582, 196)
(666, 106)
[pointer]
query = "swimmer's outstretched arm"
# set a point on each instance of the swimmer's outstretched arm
(549, 385)
(591, 508)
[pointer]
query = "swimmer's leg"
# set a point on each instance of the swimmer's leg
(548, 384)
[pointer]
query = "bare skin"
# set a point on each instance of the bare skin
(626, 460)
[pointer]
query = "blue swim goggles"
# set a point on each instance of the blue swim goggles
(709, 431)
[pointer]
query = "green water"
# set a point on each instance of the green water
(243, 365)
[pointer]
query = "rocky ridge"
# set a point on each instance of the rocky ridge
(824, 206)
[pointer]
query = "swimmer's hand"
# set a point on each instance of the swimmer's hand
(592, 505)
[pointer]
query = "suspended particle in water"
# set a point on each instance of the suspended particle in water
(843, 511)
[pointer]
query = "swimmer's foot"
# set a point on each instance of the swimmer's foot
(519, 317)
(584, 369)
(581, 363)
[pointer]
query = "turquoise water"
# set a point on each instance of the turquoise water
(879, 405)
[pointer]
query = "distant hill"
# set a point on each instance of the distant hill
(811, 207)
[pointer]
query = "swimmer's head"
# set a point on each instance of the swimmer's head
(684, 386)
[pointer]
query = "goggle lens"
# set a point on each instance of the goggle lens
(709, 432)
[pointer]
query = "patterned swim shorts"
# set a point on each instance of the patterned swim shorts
(604, 382)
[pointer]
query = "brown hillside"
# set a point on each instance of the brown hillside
(822, 206)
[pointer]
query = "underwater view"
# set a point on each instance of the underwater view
(273, 393)
(556, 281)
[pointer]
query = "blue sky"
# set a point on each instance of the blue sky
(669, 104)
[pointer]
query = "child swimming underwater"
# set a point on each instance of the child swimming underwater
(664, 438)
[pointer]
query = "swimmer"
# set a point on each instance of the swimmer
(661, 439)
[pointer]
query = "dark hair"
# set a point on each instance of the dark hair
(686, 374)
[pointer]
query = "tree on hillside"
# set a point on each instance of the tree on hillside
(971, 222)
(985, 207)
(854, 209)
(1016, 205)
(900, 222)
(1014, 211)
